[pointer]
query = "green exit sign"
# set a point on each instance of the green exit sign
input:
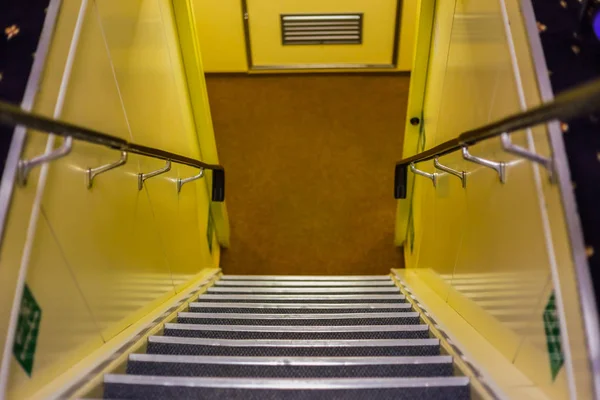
(28, 328)
(553, 339)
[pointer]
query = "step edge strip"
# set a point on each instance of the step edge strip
(299, 329)
(250, 296)
(291, 290)
(298, 284)
(306, 277)
(291, 361)
(405, 314)
(299, 305)
(293, 343)
(288, 384)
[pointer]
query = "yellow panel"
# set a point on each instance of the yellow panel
(67, 328)
(379, 24)
(185, 213)
(118, 244)
(114, 219)
(184, 15)
(135, 37)
(438, 58)
(15, 235)
(408, 35)
(490, 362)
(495, 245)
(220, 29)
(574, 335)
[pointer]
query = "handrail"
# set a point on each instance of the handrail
(577, 102)
(13, 116)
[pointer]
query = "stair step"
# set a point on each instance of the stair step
(294, 337)
(298, 332)
(153, 387)
(299, 298)
(291, 367)
(297, 308)
(293, 348)
(304, 277)
(265, 283)
(306, 290)
(384, 318)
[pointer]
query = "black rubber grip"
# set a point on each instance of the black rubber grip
(218, 185)
(400, 181)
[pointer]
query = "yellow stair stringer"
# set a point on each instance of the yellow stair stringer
(85, 379)
(474, 355)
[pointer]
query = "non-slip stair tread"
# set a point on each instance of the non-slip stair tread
(274, 328)
(395, 318)
(298, 361)
(159, 387)
(303, 298)
(300, 316)
(311, 332)
(307, 290)
(306, 277)
(292, 348)
(278, 308)
(308, 284)
(289, 367)
(295, 343)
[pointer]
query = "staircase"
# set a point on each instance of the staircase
(293, 337)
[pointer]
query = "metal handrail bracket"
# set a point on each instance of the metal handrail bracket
(416, 171)
(499, 167)
(142, 177)
(181, 182)
(459, 174)
(25, 166)
(512, 148)
(94, 172)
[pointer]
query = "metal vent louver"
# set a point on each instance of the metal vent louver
(321, 29)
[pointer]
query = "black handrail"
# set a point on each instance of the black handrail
(13, 116)
(577, 102)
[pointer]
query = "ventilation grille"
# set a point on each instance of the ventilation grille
(321, 29)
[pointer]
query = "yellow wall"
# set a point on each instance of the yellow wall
(222, 36)
(491, 250)
(104, 257)
(220, 28)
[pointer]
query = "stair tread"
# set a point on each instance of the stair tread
(287, 361)
(308, 290)
(267, 283)
(294, 343)
(306, 277)
(306, 298)
(286, 383)
(290, 306)
(310, 328)
(279, 317)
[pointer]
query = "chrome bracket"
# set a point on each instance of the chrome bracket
(142, 177)
(416, 171)
(545, 162)
(25, 166)
(94, 172)
(459, 174)
(181, 182)
(499, 167)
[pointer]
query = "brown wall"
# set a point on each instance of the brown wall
(310, 162)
